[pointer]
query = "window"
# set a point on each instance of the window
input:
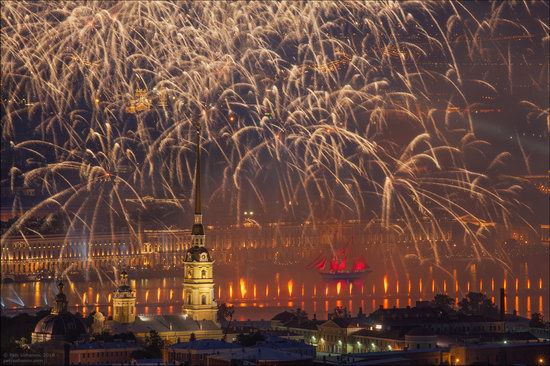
(203, 273)
(203, 299)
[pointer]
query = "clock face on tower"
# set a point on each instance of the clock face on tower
(204, 257)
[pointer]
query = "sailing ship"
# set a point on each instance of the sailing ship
(340, 267)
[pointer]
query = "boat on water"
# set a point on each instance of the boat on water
(340, 267)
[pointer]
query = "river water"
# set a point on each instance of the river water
(261, 291)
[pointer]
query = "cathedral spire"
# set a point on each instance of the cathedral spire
(198, 213)
(197, 233)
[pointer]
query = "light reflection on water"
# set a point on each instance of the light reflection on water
(296, 287)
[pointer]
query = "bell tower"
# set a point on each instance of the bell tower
(198, 281)
(124, 301)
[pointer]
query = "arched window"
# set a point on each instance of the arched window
(203, 273)
(203, 299)
(189, 298)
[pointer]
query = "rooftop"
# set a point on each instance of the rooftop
(204, 344)
(261, 354)
(104, 345)
(163, 323)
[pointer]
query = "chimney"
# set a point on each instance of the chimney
(502, 300)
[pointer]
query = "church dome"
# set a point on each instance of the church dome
(60, 324)
(198, 254)
(123, 287)
(65, 325)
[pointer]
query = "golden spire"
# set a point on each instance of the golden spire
(198, 213)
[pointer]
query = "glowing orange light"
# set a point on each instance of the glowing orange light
(540, 304)
(350, 288)
(373, 288)
(420, 285)
(517, 284)
(171, 294)
(230, 290)
(83, 298)
(290, 285)
(303, 290)
(480, 285)
(338, 287)
(219, 292)
(409, 287)
(242, 284)
(397, 287)
(146, 295)
(254, 289)
(278, 291)
(433, 285)
(326, 291)
(504, 284)
(468, 287)
(528, 284)
(109, 298)
(540, 283)
(97, 298)
(385, 284)
(445, 286)
(266, 290)
(529, 304)
(492, 284)
(158, 294)
(314, 290)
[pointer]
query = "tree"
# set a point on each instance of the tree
(443, 302)
(224, 313)
(154, 344)
(537, 320)
(476, 303)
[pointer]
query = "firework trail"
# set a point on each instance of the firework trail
(333, 101)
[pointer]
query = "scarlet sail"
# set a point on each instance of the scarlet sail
(338, 266)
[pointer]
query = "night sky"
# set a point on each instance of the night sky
(309, 111)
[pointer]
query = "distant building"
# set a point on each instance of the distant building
(501, 354)
(258, 356)
(335, 335)
(102, 353)
(195, 353)
(60, 325)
